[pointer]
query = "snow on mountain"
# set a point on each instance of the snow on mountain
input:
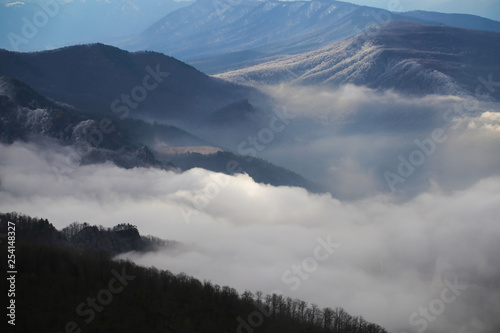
(216, 36)
(5, 88)
(95, 77)
(403, 56)
(210, 27)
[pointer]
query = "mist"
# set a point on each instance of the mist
(350, 137)
(388, 260)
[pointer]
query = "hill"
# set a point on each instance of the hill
(220, 35)
(407, 57)
(66, 288)
(28, 116)
(108, 80)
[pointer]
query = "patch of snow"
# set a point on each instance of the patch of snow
(38, 121)
(5, 89)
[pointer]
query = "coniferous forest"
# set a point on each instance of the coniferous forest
(64, 285)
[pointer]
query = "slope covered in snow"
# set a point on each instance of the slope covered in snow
(220, 35)
(403, 56)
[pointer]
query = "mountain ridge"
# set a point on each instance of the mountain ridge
(96, 140)
(109, 80)
(217, 36)
(404, 56)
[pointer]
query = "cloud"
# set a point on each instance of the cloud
(16, 3)
(350, 105)
(349, 137)
(394, 258)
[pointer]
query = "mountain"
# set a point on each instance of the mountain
(28, 116)
(260, 170)
(237, 112)
(63, 285)
(215, 35)
(108, 80)
(210, 27)
(219, 35)
(120, 239)
(407, 57)
(465, 21)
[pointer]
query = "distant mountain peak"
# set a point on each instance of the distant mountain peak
(98, 77)
(220, 35)
(408, 57)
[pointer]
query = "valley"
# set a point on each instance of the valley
(300, 166)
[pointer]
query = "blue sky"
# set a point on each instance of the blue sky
(485, 8)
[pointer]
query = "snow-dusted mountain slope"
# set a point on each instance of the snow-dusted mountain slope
(96, 77)
(28, 116)
(219, 35)
(211, 27)
(271, 27)
(403, 56)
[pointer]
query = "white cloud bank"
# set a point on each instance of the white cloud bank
(347, 138)
(394, 260)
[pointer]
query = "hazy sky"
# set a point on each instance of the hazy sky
(485, 8)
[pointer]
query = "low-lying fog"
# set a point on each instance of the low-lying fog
(408, 237)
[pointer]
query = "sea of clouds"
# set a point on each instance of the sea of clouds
(389, 260)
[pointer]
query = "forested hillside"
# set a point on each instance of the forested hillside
(67, 288)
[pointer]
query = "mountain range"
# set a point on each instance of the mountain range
(106, 79)
(407, 57)
(377, 125)
(75, 22)
(216, 36)
(80, 260)
(157, 101)
(28, 116)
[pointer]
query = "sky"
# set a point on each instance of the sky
(485, 8)
(76, 21)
